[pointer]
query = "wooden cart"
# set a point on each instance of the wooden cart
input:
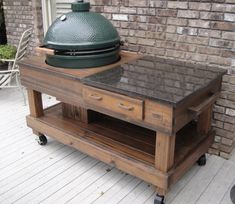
(150, 139)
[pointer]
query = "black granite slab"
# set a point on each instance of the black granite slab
(156, 79)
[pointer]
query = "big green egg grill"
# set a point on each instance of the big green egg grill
(82, 39)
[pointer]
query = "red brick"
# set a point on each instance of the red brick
(177, 21)
(128, 10)
(208, 50)
(228, 35)
(226, 148)
(188, 14)
(199, 23)
(176, 4)
(175, 53)
(219, 60)
(220, 43)
(196, 57)
(213, 151)
(166, 12)
(223, 7)
(143, 41)
(193, 40)
(139, 3)
(228, 53)
(222, 26)
(209, 33)
(229, 127)
(225, 155)
(158, 4)
(218, 109)
(111, 9)
(211, 16)
(171, 29)
(199, 6)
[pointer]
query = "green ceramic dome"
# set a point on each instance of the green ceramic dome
(81, 30)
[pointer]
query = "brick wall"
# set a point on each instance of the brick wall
(195, 30)
(20, 15)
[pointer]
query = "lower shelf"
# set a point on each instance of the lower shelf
(129, 147)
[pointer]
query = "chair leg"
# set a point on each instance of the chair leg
(21, 88)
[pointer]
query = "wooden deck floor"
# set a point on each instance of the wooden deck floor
(54, 173)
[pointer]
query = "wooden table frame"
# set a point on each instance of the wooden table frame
(165, 168)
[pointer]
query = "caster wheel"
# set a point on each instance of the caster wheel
(232, 194)
(42, 140)
(202, 160)
(159, 199)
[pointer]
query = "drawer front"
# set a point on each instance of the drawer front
(159, 115)
(113, 103)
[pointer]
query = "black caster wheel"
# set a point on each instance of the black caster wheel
(232, 194)
(42, 140)
(159, 199)
(202, 160)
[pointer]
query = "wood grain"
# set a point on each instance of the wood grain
(39, 64)
(94, 144)
(44, 51)
(204, 121)
(165, 150)
(35, 106)
(182, 115)
(111, 102)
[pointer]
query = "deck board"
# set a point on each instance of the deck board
(54, 173)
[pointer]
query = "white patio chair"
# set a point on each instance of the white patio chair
(7, 76)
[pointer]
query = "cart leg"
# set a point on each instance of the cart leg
(203, 127)
(164, 160)
(164, 153)
(36, 110)
(204, 121)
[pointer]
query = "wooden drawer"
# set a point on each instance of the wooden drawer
(109, 102)
(158, 115)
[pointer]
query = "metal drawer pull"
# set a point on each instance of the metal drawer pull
(129, 108)
(98, 98)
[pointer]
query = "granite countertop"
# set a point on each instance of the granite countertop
(156, 79)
